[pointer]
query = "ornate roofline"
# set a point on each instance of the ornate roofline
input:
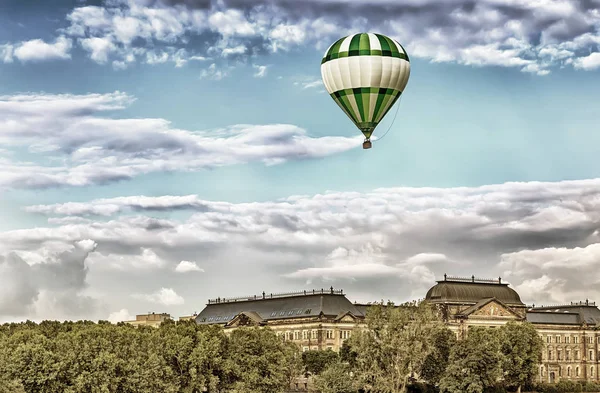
(265, 296)
(573, 304)
(472, 279)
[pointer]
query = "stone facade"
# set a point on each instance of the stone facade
(317, 320)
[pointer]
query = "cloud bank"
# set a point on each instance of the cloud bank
(388, 243)
(80, 147)
(535, 36)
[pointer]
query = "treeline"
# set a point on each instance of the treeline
(69, 357)
(409, 349)
(404, 349)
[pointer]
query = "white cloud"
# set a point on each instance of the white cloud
(261, 71)
(164, 296)
(120, 316)
(146, 259)
(590, 62)
(6, 53)
(388, 242)
(531, 36)
(89, 149)
(38, 50)
(187, 266)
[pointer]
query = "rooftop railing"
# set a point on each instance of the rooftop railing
(265, 295)
(473, 279)
(572, 304)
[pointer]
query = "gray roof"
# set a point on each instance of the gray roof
(279, 308)
(472, 292)
(553, 318)
(586, 312)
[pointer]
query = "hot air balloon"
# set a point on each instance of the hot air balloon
(365, 74)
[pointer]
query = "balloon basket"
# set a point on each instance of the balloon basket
(367, 145)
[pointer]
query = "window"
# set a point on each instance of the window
(576, 340)
(568, 354)
(274, 314)
(558, 354)
(557, 339)
(296, 335)
(590, 340)
(577, 371)
(330, 334)
(576, 355)
(291, 313)
(210, 319)
(308, 310)
(568, 371)
(305, 334)
(281, 314)
(299, 312)
(598, 339)
(549, 355)
(344, 334)
(542, 371)
(304, 349)
(568, 339)
(204, 319)
(591, 355)
(548, 339)
(592, 371)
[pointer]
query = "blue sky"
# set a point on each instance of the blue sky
(113, 111)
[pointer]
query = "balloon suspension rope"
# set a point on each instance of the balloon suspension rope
(390, 127)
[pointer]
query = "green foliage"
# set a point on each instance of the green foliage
(317, 361)
(522, 350)
(475, 363)
(395, 346)
(436, 361)
(335, 378)
(177, 357)
(566, 386)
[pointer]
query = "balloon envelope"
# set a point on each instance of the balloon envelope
(365, 74)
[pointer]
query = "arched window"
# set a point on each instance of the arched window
(592, 371)
(576, 371)
(591, 355)
(568, 371)
(542, 371)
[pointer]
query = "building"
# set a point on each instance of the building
(188, 317)
(323, 319)
(571, 334)
(316, 319)
(150, 319)
(466, 302)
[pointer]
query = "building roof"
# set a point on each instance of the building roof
(269, 307)
(472, 290)
(586, 312)
(553, 318)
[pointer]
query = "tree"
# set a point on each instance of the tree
(522, 350)
(256, 356)
(292, 365)
(474, 364)
(335, 378)
(395, 345)
(316, 361)
(436, 361)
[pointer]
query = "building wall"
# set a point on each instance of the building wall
(570, 353)
(313, 333)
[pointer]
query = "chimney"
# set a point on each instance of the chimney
(473, 278)
(499, 280)
(444, 276)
